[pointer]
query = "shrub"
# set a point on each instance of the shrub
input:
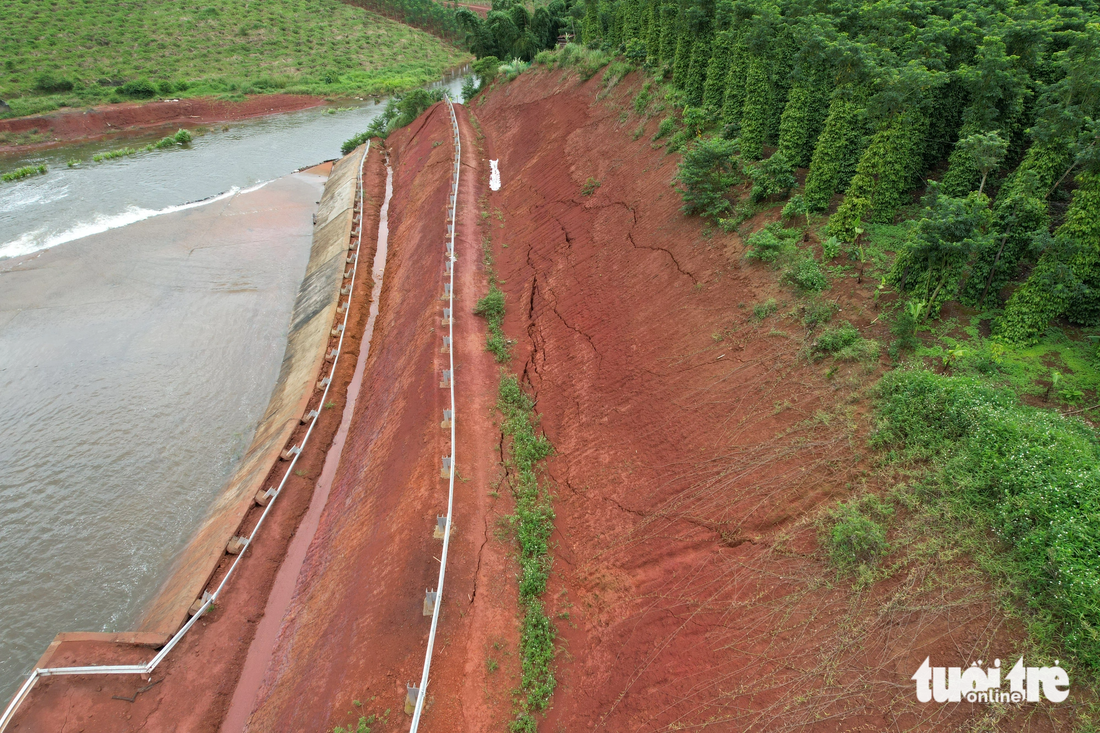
(353, 142)
(51, 84)
(770, 244)
(806, 274)
(760, 311)
(855, 538)
(139, 89)
(589, 187)
(772, 177)
(487, 68)
(706, 173)
(514, 68)
(183, 137)
(845, 344)
(665, 128)
(1030, 475)
(165, 142)
(635, 51)
(817, 312)
(469, 89)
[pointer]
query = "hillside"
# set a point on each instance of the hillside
(97, 51)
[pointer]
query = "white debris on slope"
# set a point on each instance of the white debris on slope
(494, 176)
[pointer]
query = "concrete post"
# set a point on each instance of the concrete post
(446, 419)
(412, 694)
(430, 597)
(446, 472)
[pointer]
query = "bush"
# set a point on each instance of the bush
(51, 84)
(183, 137)
(140, 89)
(760, 311)
(353, 142)
(806, 275)
(772, 177)
(487, 69)
(845, 344)
(469, 89)
(635, 51)
(665, 128)
(165, 142)
(706, 173)
(855, 538)
(514, 68)
(770, 244)
(1032, 476)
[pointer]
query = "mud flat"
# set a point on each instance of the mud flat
(110, 120)
(200, 672)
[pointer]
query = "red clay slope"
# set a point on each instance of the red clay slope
(694, 449)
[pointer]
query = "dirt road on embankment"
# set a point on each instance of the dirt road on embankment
(356, 632)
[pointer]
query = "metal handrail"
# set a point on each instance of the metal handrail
(422, 692)
(147, 669)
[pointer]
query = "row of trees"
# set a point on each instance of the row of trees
(511, 31)
(1000, 103)
(427, 15)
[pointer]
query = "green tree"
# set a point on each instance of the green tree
(706, 173)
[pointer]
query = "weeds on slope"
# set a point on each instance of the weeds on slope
(532, 522)
(1025, 475)
(491, 308)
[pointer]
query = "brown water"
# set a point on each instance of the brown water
(134, 367)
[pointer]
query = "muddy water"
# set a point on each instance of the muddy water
(140, 337)
(134, 367)
(69, 203)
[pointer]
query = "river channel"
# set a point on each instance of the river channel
(144, 309)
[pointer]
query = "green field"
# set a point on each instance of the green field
(57, 55)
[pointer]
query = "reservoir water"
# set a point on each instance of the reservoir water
(140, 338)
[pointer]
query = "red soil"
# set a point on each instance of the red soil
(356, 632)
(195, 682)
(110, 120)
(694, 450)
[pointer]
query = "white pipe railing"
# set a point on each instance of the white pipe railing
(146, 669)
(450, 258)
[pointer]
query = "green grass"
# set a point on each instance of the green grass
(95, 51)
(491, 308)
(1028, 477)
(532, 524)
(24, 172)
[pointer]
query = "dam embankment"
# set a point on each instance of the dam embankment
(201, 671)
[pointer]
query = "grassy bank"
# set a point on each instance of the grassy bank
(97, 51)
